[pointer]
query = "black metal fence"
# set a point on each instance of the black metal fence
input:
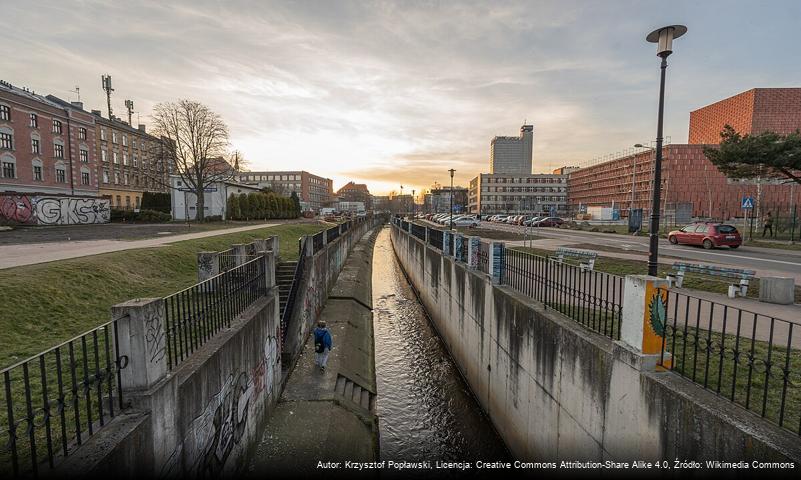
(195, 314)
(435, 238)
(750, 359)
(317, 242)
(483, 257)
(331, 234)
(227, 260)
(55, 400)
(593, 299)
(419, 231)
(293, 289)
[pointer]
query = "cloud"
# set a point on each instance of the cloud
(388, 92)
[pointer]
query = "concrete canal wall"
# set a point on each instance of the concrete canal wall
(557, 391)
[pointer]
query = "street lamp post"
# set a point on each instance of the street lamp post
(663, 37)
(452, 171)
(414, 206)
(402, 206)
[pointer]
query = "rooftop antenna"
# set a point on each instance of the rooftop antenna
(107, 88)
(77, 91)
(129, 106)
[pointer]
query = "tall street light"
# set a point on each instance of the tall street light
(414, 206)
(663, 37)
(402, 207)
(452, 172)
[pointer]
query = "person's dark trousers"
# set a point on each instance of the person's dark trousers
(767, 227)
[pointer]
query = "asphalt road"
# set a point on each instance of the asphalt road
(785, 262)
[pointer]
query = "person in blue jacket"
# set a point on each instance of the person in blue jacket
(322, 345)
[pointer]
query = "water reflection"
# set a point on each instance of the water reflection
(425, 409)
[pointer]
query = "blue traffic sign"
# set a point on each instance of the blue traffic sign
(748, 203)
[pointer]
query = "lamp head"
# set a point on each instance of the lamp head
(663, 38)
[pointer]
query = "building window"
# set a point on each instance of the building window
(37, 173)
(125, 140)
(119, 203)
(116, 159)
(35, 146)
(58, 150)
(104, 155)
(133, 143)
(102, 134)
(61, 175)
(82, 133)
(84, 178)
(6, 141)
(57, 126)
(137, 203)
(126, 179)
(127, 201)
(84, 156)
(135, 161)
(117, 182)
(114, 137)
(105, 176)
(9, 169)
(5, 112)
(124, 158)
(34, 121)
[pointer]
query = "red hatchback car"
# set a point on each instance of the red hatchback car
(708, 235)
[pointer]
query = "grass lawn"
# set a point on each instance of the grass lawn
(779, 245)
(623, 267)
(49, 303)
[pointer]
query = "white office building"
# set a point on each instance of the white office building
(534, 194)
(512, 155)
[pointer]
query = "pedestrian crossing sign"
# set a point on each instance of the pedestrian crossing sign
(748, 203)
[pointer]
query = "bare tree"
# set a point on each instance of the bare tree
(197, 140)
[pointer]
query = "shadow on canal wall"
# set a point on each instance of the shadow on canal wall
(557, 391)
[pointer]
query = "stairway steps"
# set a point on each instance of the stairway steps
(355, 393)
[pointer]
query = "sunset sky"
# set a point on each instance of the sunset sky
(391, 93)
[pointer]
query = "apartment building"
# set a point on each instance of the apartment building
(314, 191)
(46, 145)
(531, 194)
(131, 162)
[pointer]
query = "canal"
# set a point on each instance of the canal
(426, 411)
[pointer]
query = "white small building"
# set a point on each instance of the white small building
(215, 198)
(351, 206)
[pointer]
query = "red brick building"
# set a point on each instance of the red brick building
(45, 147)
(689, 180)
(356, 192)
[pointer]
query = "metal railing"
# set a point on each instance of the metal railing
(593, 299)
(435, 238)
(195, 314)
(293, 290)
(227, 260)
(331, 234)
(750, 359)
(57, 399)
(317, 242)
(419, 231)
(483, 257)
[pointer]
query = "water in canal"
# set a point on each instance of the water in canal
(425, 409)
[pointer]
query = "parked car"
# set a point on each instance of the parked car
(531, 221)
(707, 234)
(548, 222)
(501, 218)
(465, 221)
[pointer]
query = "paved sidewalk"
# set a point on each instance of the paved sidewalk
(33, 253)
(553, 244)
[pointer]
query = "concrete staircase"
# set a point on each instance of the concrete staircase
(284, 275)
(354, 392)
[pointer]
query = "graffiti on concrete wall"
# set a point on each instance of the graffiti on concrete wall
(41, 210)
(214, 434)
(154, 337)
(263, 374)
(16, 209)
